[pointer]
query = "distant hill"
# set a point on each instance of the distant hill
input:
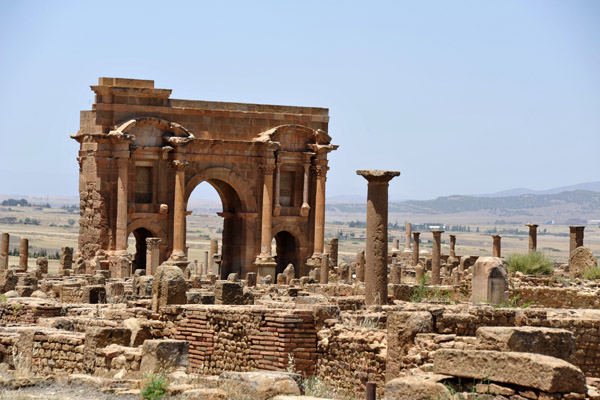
(583, 200)
(589, 186)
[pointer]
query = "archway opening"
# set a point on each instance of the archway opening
(286, 252)
(139, 259)
(207, 221)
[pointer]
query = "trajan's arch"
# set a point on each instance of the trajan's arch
(143, 153)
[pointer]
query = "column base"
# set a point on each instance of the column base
(314, 261)
(277, 210)
(119, 265)
(304, 210)
(266, 265)
(182, 264)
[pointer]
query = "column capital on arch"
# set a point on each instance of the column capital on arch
(179, 165)
(268, 169)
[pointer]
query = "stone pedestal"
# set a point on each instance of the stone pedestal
(377, 235)
(532, 237)
(251, 279)
(23, 254)
(408, 232)
(575, 237)
(497, 250)
(436, 257)
(152, 255)
(4, 249)
(415, 251)
(266, 267)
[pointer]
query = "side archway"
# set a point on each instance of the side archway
(143, 229)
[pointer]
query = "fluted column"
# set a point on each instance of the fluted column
(320, 172)
(122, 183)
(376, 277)
(179, 212)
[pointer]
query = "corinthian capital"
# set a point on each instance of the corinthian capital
(179, 165)
(268, 169)
(320, 170)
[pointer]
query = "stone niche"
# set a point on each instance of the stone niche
(490, 281)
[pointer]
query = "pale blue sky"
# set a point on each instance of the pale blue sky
(460, 96)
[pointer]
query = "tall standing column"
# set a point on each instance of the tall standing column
(4, 249)
(408, 230)
(415, 253)
(532, 237)
(305, 209)
(452, 246)
(360, 265)
(207, 269)
(213, 249)
(179, 212)
(23, 254)
(277, 207)
(122, 183)
(497, 246)
(320, 172)
(377, 235)
(435, 257)
(267, 211)
(152, 255)
(575, 237)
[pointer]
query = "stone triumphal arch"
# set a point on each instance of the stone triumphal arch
(142, 154)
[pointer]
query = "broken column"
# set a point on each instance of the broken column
(324, 268)
(532, 237)
(4, 248)
(152, 255)
(497, 246)
(331, 248)
(360, 265)
(435, 257)
(207, 269)
(415, 250)
(395, 277)
(575, 237)
(23, 254)
(452, 246)
(395, 245)
(377, 234)
(66, 260)
(408, 232)
(213, 249)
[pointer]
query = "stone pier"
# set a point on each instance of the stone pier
(23, 254)
(377, 235)
(415, 254)
(407, 247)
(575, 237)
(532, 237)
(436, 257)
(4, 248)
(497, 250)
(152, 255)
(331, 248)
(395, 245)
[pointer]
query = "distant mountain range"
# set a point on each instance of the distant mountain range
(589, 186)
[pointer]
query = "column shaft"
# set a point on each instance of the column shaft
(408, 227)
(435, 257)
(415, 250)
(320, 211)
(267, 211)
(122, 183)
(179, 212)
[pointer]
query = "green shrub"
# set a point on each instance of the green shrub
(591, 273)
(155, 387)
(534, 263)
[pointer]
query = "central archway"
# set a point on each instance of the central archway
(232, 231)
(286, 252)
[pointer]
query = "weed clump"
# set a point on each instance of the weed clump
(155, 387)
(534, 263)
(591, 273)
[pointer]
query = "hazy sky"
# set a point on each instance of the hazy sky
(460, 96)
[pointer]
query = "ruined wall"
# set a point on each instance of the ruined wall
(555, 297)
(246, 338)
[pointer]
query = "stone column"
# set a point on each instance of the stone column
(324, 268)
(395, 277)
(267, 212)
(415, 253)
(305, 209)
(331, 248)
(532, 237)
(207, 269)
(452, 246)
(213, 249)
(408, 232)
(395, 245)
(122, 184)
(360, 265)
(320, 172)
(152, 255)
(179, 212)
(4, 249)
(435, 257)
(497, 246)
(575, 237)
(377, 235)
(23, 254)
(277, 206)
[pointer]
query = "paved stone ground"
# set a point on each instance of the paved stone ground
(60, 391)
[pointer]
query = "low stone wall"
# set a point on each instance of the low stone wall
(246, 338)
(26, 314)
(557, 297)
(57, 353)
